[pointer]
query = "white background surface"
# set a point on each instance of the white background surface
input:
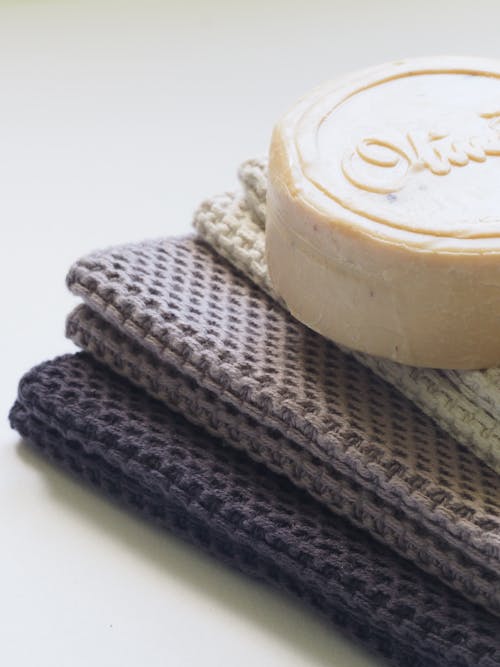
(116, 119)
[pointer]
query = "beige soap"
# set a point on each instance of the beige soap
(383, 211)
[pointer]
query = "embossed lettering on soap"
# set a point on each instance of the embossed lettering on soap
(383, 163)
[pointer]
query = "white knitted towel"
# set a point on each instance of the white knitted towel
(464, 403)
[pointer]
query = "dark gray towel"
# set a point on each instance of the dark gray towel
(103, 430)
(181, 323)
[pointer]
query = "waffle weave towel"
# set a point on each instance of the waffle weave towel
(179, 321)
(464, 403)
(116, 438)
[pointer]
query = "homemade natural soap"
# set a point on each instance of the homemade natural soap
(383, 211)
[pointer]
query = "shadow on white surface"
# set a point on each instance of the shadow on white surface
(272, 613)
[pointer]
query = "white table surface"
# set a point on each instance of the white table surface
(116, 119)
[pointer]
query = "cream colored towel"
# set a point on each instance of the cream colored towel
(464, 403)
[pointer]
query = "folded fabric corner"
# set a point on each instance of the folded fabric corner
(131, 447)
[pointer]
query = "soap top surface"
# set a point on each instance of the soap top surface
(407, 152)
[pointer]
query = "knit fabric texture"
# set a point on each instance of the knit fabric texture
(464, 403)
(119, 440)
(179, 321)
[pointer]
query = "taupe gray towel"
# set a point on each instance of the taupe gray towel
(180, 322)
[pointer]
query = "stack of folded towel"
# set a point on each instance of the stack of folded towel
(201, 403)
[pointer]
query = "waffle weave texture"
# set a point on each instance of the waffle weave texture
(464, 403)
(179, 321)
(116, 438)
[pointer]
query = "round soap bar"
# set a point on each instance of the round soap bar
(383, 211)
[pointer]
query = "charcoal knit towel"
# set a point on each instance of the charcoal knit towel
(466, 404)
(183, 324)
(103, 430)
